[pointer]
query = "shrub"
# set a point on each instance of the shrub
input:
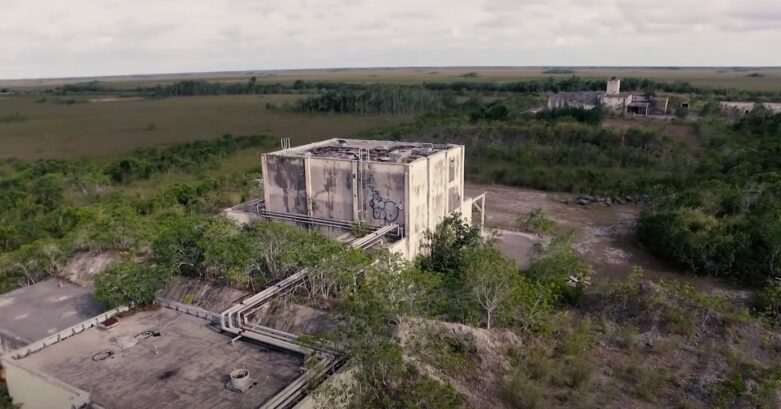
(536, 222)
(520, 392)
(768, 300)
(430, 394)
(129, 283)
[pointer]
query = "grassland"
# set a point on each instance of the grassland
(756, 79)
(44, 129)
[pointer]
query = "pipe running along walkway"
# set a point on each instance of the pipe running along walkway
(234, 321)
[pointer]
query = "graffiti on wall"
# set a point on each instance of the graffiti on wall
(383, 209)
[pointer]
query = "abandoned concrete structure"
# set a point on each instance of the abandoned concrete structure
(612, 99)
(174, 357)
(394, 189)
(160, 359)
(743, 108)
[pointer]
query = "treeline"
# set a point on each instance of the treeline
(385, 100)
(536, 86)
(559, 153)
(192, 156)
(196, 87)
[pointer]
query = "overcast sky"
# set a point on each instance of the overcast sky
(55, 38)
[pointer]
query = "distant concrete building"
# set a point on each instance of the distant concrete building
(743, 108)
(612, 99)
(401, 188)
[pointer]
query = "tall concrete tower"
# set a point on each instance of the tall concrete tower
(613, 86)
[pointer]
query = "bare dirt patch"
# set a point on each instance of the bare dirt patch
(604, 235)
(84, 266)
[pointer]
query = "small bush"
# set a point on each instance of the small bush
(430, 394)
(129, 283)
(536, 222)
(680, 321)
(768, 300)
(518, 391)
(728, 391)
(455, 353)
(579, 371)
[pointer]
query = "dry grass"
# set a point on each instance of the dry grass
(94, 129)
(634, 345)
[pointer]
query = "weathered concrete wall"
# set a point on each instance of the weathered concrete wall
(422, 195)
(202, 294)
(383, 193)
(35, 390)
(332, 188)
(616, 103)
(436, 190)
(613, 86)
(284, 184)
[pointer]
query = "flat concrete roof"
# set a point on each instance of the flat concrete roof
(34, 312)
(378, 151)
(187, 366)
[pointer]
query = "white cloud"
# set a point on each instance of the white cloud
(42, 38)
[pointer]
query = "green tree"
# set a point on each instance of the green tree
(129, 283)
(488, 278)
(47, 190)
(552, 271)
(445, 245)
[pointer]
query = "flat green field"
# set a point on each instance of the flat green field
(765, 78)
(48, 129)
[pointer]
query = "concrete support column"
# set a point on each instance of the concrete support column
(308, 182)
(264, 169)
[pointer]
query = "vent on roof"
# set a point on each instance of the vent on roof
(240, 380)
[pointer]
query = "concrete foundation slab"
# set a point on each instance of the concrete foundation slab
(187, 366)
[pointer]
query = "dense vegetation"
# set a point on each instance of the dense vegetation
(726, 220)
(51, 208)
(375, 100)
(556, 151)
(471, 87)
(713, 209)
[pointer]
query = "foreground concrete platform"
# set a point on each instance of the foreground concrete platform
(186, 366)
(37, 311)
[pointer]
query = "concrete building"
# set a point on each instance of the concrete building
(612, 99)
(743, 108)
(399, 189)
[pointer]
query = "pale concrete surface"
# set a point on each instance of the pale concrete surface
(517, 246)
(187, 366)
(37, 311)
